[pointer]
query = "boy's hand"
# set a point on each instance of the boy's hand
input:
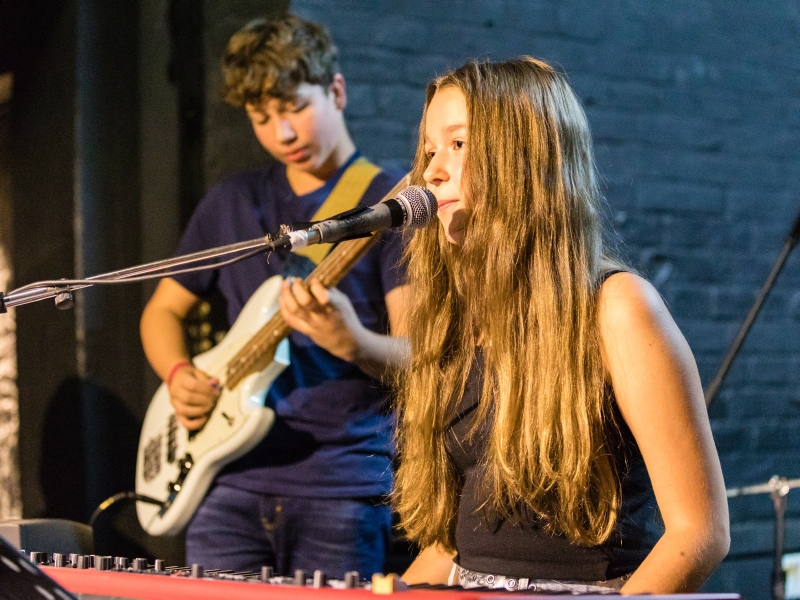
(193, 395)
(326, 316)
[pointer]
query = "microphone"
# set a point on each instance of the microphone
(413, 207)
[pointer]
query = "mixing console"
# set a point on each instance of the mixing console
(116, 577)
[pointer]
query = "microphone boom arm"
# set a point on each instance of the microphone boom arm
(413, 207)
(42, 290)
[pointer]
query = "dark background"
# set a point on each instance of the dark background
(116, 129)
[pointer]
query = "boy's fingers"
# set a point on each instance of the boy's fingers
(319, 292)
(302, 295)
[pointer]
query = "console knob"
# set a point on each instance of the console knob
(299, 577)
(140, 564)
(82, 562)
(59, 560)
(39, 558)
(121, 563)
(351, 579)
(266, 574)
(159, 566)
(319, 579)
(103, 563)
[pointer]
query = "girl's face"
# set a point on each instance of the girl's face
(446, 145)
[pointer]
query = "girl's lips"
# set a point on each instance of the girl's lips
(445, 203)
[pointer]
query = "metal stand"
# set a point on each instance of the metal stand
(778, 496)
(791, 242)
(62, 289)
(778, 488)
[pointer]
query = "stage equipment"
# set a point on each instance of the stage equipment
(116, 577)
(20, 579)
(778, 488)
(48, 535)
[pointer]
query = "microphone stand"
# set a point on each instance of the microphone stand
(791, 242)
(62, 289)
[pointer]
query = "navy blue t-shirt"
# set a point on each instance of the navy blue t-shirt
(332, 435)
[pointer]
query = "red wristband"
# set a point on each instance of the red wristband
(175, 368)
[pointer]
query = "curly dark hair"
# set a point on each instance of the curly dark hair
(269, 58)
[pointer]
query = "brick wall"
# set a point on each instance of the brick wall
(695, 109)
(229, 142)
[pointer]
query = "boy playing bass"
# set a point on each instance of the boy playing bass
(310, 495)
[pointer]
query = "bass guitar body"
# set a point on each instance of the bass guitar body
(175, 466)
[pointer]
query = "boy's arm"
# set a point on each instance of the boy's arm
(192, 392)
(377, 353)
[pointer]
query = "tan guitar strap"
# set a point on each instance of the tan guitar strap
(344, 196)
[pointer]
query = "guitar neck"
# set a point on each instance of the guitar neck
(258, 353)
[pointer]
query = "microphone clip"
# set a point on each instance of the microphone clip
(3, 308)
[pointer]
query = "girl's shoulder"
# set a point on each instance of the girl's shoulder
(626, 299)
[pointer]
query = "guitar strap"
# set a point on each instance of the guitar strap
(344, 196)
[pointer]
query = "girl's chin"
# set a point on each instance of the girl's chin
(454, 227)
(454, 237)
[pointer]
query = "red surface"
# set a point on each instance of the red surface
(162, 587)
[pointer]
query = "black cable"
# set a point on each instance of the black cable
(121, 496)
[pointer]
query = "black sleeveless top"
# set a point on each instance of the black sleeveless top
(491, 545)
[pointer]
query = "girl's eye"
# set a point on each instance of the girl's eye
(430, 154)
(458, 144)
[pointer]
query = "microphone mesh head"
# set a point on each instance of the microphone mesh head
(420, 205)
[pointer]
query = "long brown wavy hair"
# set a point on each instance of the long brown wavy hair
(522, 285)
